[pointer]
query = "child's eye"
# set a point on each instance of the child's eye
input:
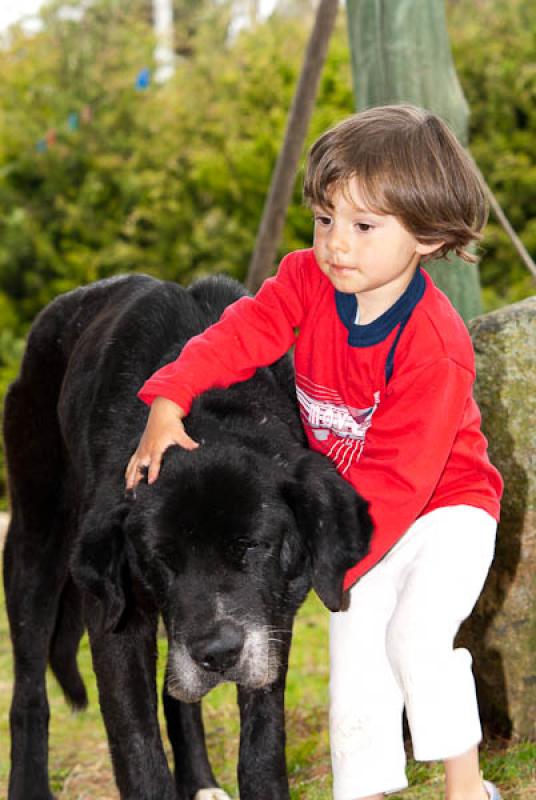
(322, 219)
(363, 226)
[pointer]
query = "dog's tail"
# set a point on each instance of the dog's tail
(64, 646)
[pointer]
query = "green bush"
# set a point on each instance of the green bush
(494, 45)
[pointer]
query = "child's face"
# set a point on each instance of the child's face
(365, 253)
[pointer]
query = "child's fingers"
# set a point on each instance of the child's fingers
(181, 439)
(153, 460)
(185, 441)
(154, 466)
(129, 473)
(134, 470)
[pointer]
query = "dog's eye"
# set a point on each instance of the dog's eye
(240, 548)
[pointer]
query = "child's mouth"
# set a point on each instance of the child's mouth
(340, 269)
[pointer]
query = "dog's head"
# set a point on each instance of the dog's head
(227, 543)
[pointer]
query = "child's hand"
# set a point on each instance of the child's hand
(164, 428)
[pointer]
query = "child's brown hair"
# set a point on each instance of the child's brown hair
(408, 164)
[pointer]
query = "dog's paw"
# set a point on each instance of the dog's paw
(211, 794)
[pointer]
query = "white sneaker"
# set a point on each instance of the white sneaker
(492, 790)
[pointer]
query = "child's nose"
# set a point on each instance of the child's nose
(338, 240)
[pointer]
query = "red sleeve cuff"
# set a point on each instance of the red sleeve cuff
(152, 389)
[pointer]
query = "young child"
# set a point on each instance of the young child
(384, 374)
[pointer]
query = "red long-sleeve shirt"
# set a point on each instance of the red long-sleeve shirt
(389, 402)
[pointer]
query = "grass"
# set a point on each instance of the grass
(80, 765)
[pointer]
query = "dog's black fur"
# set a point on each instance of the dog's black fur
(224, 546)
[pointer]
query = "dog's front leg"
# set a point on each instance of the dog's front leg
(193, 773)
(125, 666)
(262, 769)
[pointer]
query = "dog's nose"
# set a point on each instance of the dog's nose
(220, 649)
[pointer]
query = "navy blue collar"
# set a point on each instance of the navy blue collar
(380, 328)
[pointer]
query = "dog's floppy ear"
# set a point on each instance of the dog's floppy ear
(334, 522)
(99, 563)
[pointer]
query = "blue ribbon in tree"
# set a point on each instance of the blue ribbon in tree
(143, 79)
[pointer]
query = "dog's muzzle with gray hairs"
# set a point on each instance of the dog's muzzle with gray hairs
(249, 658)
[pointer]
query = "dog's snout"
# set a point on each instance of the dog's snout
(220, 649)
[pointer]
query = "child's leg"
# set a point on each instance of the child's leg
(367, 747)
(448, 553)
(462, 777)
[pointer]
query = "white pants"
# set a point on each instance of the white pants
(393, 647)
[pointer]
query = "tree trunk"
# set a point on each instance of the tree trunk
(401, 53)
(276, 205)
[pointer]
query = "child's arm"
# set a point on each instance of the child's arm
(252, 333)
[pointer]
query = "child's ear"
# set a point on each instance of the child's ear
(427, 248)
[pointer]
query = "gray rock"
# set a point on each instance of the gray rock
(501, 632)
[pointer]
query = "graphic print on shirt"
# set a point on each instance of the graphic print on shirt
(342, 428)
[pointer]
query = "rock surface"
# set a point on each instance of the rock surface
(501, 632)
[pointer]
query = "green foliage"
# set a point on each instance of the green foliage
(172, 180)
(11, 349)
(494, 46)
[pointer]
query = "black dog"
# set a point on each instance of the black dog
(224, 546)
